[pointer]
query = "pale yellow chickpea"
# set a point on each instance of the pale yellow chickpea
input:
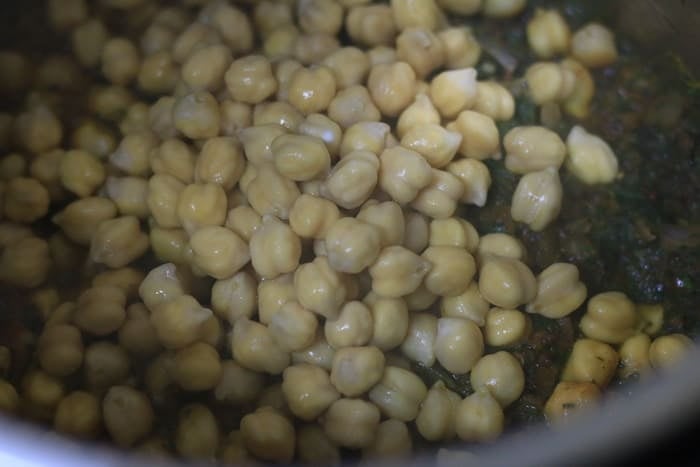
(461, 7)
(45, 168)
(257, 142)
(158, 74)
(559, 291)
(549, 82)
(162, 200)
(417, 231)
(218, 252)
(269, 15)
(669, 350)
(238, 385)
(272, 294)
(469, 305)
(500, 244)
(312, 48)
(349, 65)
(320, 353)
(129, 194)
(162, 284)
(352, 180)
(200, 205)
(118, 242)
(452, 270)
(480, 139)
(578, 102)
(169, 245)
(371, 25)
(105, 365)
(398, 271)
(126, 279)
(197, 432)
(420, 48)
(120, 61)
(94, 138)
(314, 447)
(137, 335)
(25, 200)
(79, 414)
(392, 441)
(548, 34)
(60, 349)
(569, 399)
(504, 328)
(253, 345)
(235, 297)
(191, 38)
(453, 91)
(180, 322)
(479, 417)
(128, 415)
(501, 374)
(458, 344)
(197, 367)
(403, 173)
(158, 37)
(323, 16)
(503, 8)
(100, 310)
(389, 318)
(250, 79)
(110, 102)
(351, 423)
(308, 390)
(506, 282)
(420, 338)
(651, 318)
(280, 44)
(590, 159)
(26, 264)
(591, 361)
(204, 69)
(434, 142)
(269, 435)
(610, 317)
(41, 393)
(87, 40)
(38, 129)
(274, 248)
(420, 112)
(278, 112)
(311, 90)
(494, 100)
(533, 148)
(271, 193)
(300, 157)
(320, 126)
(132, 154)
(352, 245)
(320, 288)
(454, 231)
(220, 161)
(135, 118)
(352, 327)
(352, 105)
(436, 418)
(388, 217)
(392, 87)
(356, 369)
(234, 116)
(461, 48)
(439, 199)
(407, 14)
(311, 216)
(634, 356)
(399, 394)
(196, 115)
(594, 46)
(67, 256)
(537, 199)
(293, 327)
(81, 173)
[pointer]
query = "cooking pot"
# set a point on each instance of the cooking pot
(661, 406)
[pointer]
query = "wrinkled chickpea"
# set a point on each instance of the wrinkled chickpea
(506, 282)
(399, 394)
(537, 199)
(610, 317)
(548, 34)
(458, 344)
(352, 105)
(371, 25)
(392, 87)
(590, 159)
(533, 148)
(420, 338)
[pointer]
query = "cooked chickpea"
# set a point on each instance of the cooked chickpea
(293, 326)
(399, 394)
(300, 157)
(458, 344)
(420, 48)
(371, 25)
(162, 284)
(220, 161)
(313, 48)
(454, 231)
(38, 129)
(408, 14)
(420, 338)
(253, 345)
(349, 65)
(559, 291)
(200, 205)
(570, 399)
(403, 173)
(533, 148)
(439, 199)
(81, 173)
(118, 242)
(94, 138)
(196, 115)
(278, 112)
(420, 112)
(271, 193)
(137, 335)
(469, 305)
(351, 423)
(127, 414)
(132, 154)
(503, 8)
(234, 297)
(452, 270)
(594, 46)
(352, 180)
(105, 365)
(421, 299)
(494, 100)
(537, 199)
(479, 133)
(218, 252)
(479, 417)
(120, 61)
(500, 244)
(435, 143)
(197, 367)
(506, 282)
(9, 399)
(273, 293)
(356, 369)
(352, 327)
(501, 374)
(25, 200)
(315, 447)
(667, 351)
(269, 15)
(610, 317)
(436, 418)
(250, 79)
(41, 393)
(235, 116)
(453, 91)
(548, 34)
(590, 159)
(320, 353)
(475, 178)
(88, 40)
(389, 318)
(578, 102)
(504, 328)
(136, 119)
(12, 166)
(311, 90)
(257, 142)
(461, 48)
(274, 248)
(180, 322)
(549, 82)
(634, 356)
(79, 414)
(398, 271)
(269, 435)
(308, 390)
(352, 105)
(392, 441)
(238, 385)
(197, 432)
(169, 245)
(60, 349)
(129, 194)
(312, 217)
(26, 264)
(591, 361)
(352, 245)
(127, 279)
(392, 87)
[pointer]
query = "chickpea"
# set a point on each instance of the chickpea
(253, 345)
(41, 394)
(197, 432)
(273, 293)
(308, 390)
(270, 15)
(268, 435)
(548, 34)
(300, 158)
(129, 194)
(220, 161)
(45, 168)
(321, 127)
(60, 349)
(351, 423)
(352, 327)
(439, 199)
(420, 338)
(87, 41)
(352, 180)
(610, 317)
(25, 200)
(349, 66)
(411, 14)
(469, 305)
(436, 418)
(591, 361)
(281, 43)
(81, 173)
(238, 385)
(235, 297)
(403, 173)
(634, 356)
(132, 154)
(218, 252)
(280, 113)
(137, 335)
(311, 90)
(417, 233)
(353, 105)
(313, 48)
(180, 322)
(371, 25)
(126, 279)
(454, 91)
(667, 351)
(392, 87)
(162, 284)
(293, 327)
(105, 365)
(506, 282)
(314, 447)
(398, 271)
(320, 353)
(420, 112)
(559, 291)
(26, 264)
(9, 399)
(120, 61)
(271, 193)
(594, 46)
(435, 143)
(356, 369)
(235, 116)
(479, 417)
(250, 79)
(504, 328)
(578, 102)
(79, 414)
(537, 199)
(274, 248)
(197, 367)
(420, 48)
(651, 318)
(500, 244)
(590, 159)
(392, 440)
(452, 270)
(549, 82)
(569, 400)
(399, 394)
(12, 166)
(197, 115)
(503, 8)
(200, 205)
(461, 48)
(128, 415)
(110, 102)
(479, 135)
(312, 217)
(169, 245)
(257, 142)
(118, 242)
(533, 148)
(462, 8)
(135, 119)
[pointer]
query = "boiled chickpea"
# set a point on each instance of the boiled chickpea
(238, 385)
(352, 245)
(254, 346)
(439, 199)
(594, 46)
(60, 349)
(250, 79)
(548, 34)
(356, 369)
(300, 158)
(180, 322)
(469, 305)
(218, 252)
(559, 291)
(461, 48)
(610, 317)
(399, 394)
(403, 173)
(590, 159)
(667, 351)
(120, 61)
(79, 414)
(271, 193)
(506, 282)
(352, 180)
(308, 390)
(479, 417)
(392, 441)
(25, 200)
(320, 353)
(315, 447)
(105, 365)
(81, 173)
(312, 217)
(436, 418)
(26, 264)
(132, 154)
(197, 367)
(351, 423)
(118, 242)
(352, 327)
(128, 415)
(591, 361)
(137, 335)
(197, 432)
(293, 327)
(371, 25)
(41, 394)
(311, 90)
(569, 400)
(129, 194)
(504, 328)
(234, 297)
(392, 87)
(352, 105)
(420, 338)
(537, 199)
(268, 435)
(313, 48)
(273, 293)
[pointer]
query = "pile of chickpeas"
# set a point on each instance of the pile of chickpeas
(291, 172)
